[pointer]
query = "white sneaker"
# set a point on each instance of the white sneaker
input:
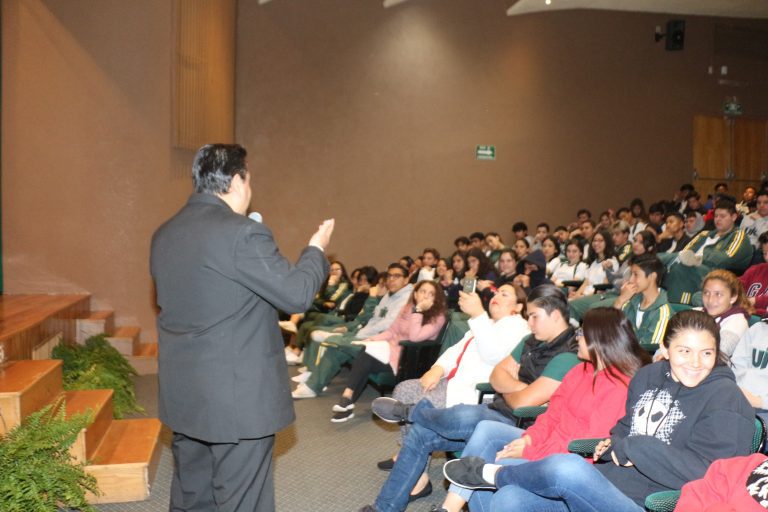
(302, 377)
(289, 326)
(292, 358)
(303, 391)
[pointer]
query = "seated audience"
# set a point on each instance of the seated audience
(420, 319)
(426, 272)
(462, 244)
(726, 247)
(362, 280)
(643, 302)
(636, 218)
(724, 300)
(534, 272)
(542, 232)
(477, 241)
(479, 266)
(495, 244)
(338, 347)
(621, 236)
(587, 404)
(755, 280)
(527, 377)
(674, 428)
(673, 238)
(749, 362)
(456, 373)
(572, 269)
(755, 224)
(551, 249)
(507, 271)
(520, 230)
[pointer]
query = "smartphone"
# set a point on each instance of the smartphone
(470, 283)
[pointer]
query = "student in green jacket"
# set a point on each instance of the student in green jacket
(725, 247)
(643, 302)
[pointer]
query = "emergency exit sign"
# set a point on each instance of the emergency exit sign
(485, 152)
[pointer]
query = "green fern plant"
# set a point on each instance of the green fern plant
(38, 473)
(98, 365)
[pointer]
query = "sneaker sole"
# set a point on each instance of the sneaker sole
(338, 408)
(383, 416)
(342, 420)
(480, 487)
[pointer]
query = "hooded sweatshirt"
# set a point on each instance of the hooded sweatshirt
(671, 433)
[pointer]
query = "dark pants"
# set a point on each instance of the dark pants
(222, 477)
(363, 366)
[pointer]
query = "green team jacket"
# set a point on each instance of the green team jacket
(732, 252)
(655, 318)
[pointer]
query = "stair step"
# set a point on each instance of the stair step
(97, 322)
(126, 460)
(125, 339)
(25, 387)
(99, 403)
(144, 359)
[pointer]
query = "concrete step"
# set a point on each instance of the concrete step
(126, 461)
(97, 322)
(145, 359)
(25, 387)
(98, 403)
(125, 339)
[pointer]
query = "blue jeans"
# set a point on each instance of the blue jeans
(432, 430)
(558, 483)
(488, 438)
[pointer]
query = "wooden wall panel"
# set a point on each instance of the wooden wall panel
(750, 148)
(204, 72)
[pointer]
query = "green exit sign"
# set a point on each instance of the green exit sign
(485, 152)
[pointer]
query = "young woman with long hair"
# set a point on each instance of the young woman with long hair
(587, 404)
(682, 414)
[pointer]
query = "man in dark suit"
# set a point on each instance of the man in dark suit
(224, 387)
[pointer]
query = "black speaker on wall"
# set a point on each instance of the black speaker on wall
(675, 37)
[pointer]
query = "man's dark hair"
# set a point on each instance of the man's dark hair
(519, 226)
(584, 210)
(650, 263)
(370, 274)
(215, 165)
(477, 235)
(656, 208)
(686, 187)
(461, 240)
(763, 238)
(691, 213)
(621, 210)
(543, 225)
(721, 184)
(549, 298)
(590, 222)
(694, 194)
(399, 267)
(726, 204)
(675, 213)
(560, 228)
(762, 192)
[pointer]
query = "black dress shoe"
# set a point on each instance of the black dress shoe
(426, 491)
(386, 465)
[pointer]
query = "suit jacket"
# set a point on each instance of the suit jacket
(220, 280)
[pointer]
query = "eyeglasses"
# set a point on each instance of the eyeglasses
(395, 276)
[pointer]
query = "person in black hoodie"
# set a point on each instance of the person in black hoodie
(534, 271)
(683, 413)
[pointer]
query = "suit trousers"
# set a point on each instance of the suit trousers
(222, 477)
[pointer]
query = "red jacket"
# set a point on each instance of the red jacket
(577, 410)
(730, 485)
(755, 281)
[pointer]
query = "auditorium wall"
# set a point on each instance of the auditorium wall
(348, 110)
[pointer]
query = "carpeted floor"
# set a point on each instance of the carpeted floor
(320, 466)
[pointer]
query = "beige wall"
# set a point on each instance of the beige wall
(88, 171)
(372, 116)
(348, 110)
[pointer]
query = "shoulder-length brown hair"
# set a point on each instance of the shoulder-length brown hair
(438, 306)
(611, 338)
